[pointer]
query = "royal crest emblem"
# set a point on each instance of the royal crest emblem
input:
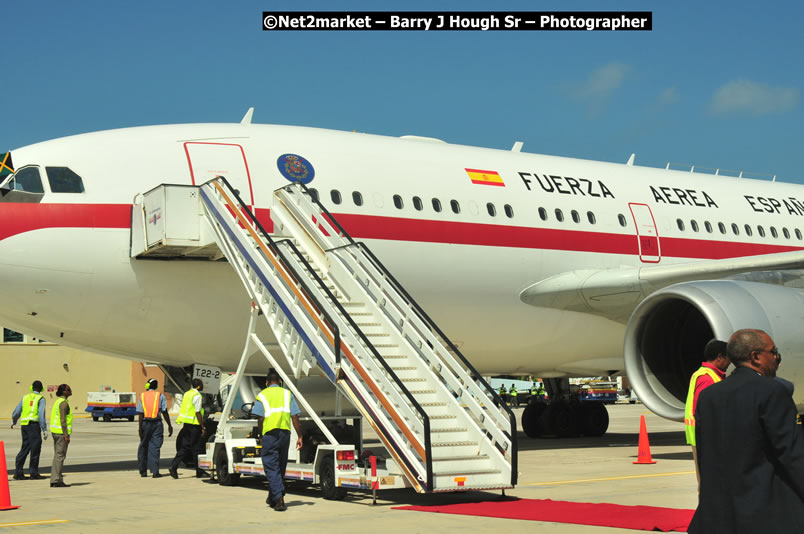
(295, 168)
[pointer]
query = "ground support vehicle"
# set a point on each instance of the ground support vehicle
(111, 405)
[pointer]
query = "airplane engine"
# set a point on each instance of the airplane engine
(666, 335)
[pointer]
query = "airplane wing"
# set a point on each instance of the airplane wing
(613, 293)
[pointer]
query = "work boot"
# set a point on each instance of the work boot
(20, 477)
(201, 474)
(157, 475)
(37, 477)
(280, 505)
(143, 474)
(59, 484)
(173, 472)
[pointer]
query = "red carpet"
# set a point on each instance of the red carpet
(650, 518)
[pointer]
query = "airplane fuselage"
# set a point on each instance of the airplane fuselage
(464, 229)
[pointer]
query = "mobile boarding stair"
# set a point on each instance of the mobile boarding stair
(335, 309)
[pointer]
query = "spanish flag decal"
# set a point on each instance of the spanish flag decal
(6, 167)
(485, 177)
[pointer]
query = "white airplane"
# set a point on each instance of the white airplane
(532, 264)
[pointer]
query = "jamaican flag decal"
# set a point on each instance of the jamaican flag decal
(6, 167)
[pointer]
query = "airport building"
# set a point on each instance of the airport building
(25, 359)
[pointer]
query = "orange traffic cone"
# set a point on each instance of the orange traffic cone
(643, 456)
(5, 495)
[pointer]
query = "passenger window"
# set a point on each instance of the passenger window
(417, 203)
(543, 214)
(591, 217)
(575, 216)
(694, 225)
(798, 234)
(336, 196)
(398, 202)
(456, 208)
(680, 224)
(786, 233)
(622, 220)
(735, 229)
(708, 226)
(492, 210)
(357, 198)
(559, 215)
(436, 205)
(721, 227)
(64, 180)
(774, 233)
(28, 179)
(748, 231)
(761, 231)
(509, 211)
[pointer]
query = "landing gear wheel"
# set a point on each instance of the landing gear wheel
(130, 418)
(594, 419)
(225, 478)
(561, 420)
(107, 418)
(329, 490)
(530, 419)
(95, 418)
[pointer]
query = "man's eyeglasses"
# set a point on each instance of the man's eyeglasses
(774, 351)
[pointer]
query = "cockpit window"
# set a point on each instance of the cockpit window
(64, 180)
(27, 179)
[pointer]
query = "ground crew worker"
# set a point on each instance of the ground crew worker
(191, 415)
(541, 393)
(61, 426)
(514, 395)
(503, 394)
(276, 409)
(150, 404)
(712, 370)
(30, 412)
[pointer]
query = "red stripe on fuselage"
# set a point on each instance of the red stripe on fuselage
(19, 218)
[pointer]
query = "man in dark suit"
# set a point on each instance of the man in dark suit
(751, 451)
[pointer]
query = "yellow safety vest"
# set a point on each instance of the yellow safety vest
(150, 404)
(55, 418)
(276, 404)
(689, 417)
(30, 408)
(187, 411)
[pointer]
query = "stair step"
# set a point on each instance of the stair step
(422, 392)
(404, 368)
(414, 379)
(393, 356)
(433, 404)
(469, 472)
(460, 458)
(453, 444)
(445, 430)
(446, 416)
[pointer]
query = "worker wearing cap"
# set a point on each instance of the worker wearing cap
(276, 410)
(712, 370)
(191, 416)
(61, 426)
(30, 412)
(149, 406)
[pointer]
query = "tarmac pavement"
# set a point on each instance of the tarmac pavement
(108, 495)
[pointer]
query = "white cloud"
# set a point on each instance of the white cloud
(668, 96)
(602, 82)
(754, 98)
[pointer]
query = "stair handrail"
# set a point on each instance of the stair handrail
(469, 368)
(337, 348)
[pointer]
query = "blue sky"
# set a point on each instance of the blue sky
(714, 84)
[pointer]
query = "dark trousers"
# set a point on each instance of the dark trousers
(31, 443)
(190, 437)
(275, 445)
(153, 434)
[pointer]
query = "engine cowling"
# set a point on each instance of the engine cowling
(667, 332)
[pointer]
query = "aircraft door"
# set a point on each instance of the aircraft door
(647, 233)
(208, 160)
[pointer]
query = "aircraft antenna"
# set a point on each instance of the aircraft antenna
(247, 117)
